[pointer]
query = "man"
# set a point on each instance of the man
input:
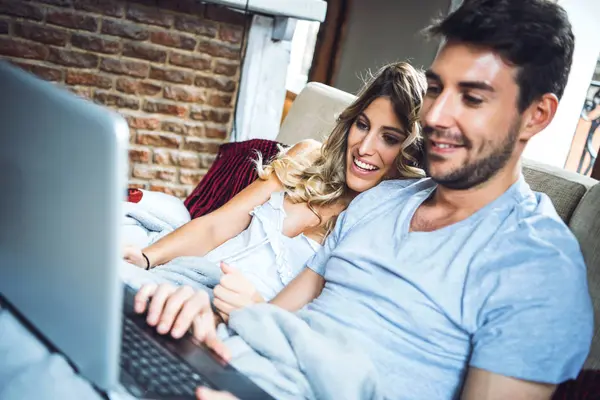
(467, 284)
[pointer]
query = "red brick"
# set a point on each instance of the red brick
(145, 52)
(174, 127)
(47, 73)
(41, 33)
(215, 133)
(165, 108)
(187, 159)
(112, 8)
(198, 63)
(159, 139)
(204, 114)
(231, 33)
(226, 69)
(18, 8)
(60, 3)
(220, 100)
(173, 191)
(141, 171)
(166, 174)
(116, 100)
(196, 25)
(125, 29)
(171, 39)
(135, 185)
(73, 20)
(149, 15)
(178, 93)
(218, 49)
(95, 43)
(3, 27)
(163, 157)
(219, 83)
(172, 75)
(200, 145)
(16, 48)
(207, 160)
(72, 58)
(190, 7)
(190, 177)
(224, 14)
(142, 123)
(125, 67)
(132, 86)
(195, 130)
(88, 79)
(85, 92)
(140, 155)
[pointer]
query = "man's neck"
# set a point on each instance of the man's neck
(471, 200)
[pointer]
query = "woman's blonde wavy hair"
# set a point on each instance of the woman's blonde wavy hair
(320, 179)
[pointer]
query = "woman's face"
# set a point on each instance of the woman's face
(374, 142)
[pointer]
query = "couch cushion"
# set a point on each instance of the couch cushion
(585, 224)
(564, 188)
(231, 172)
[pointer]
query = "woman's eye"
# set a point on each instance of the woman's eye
(391, 139)
(361, 125)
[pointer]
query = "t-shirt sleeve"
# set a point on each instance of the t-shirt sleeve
(535, 320)
(318, 261)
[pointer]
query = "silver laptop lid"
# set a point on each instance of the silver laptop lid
(63, 176)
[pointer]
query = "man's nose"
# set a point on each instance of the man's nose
(440, 113)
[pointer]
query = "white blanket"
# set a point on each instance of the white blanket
(154, 216)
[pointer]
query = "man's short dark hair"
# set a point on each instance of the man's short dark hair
(533, 35)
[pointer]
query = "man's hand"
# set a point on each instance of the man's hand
(203, 393)
(234, 291)
(133, 255)
(176, 309)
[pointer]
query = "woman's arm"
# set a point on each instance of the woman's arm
(305, 287)
(201, 235)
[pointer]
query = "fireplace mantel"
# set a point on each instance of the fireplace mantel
(311, 10)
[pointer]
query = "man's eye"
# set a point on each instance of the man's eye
(472, 101)
(433, 90)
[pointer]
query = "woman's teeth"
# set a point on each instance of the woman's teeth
(363, 165)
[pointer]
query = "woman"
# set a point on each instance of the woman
(267, 232)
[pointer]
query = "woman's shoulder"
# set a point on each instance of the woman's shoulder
(306, 147)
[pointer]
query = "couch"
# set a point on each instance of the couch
(576, 197)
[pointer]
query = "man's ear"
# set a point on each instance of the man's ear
(538, 115)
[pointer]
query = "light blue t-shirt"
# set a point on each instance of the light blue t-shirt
(504, 290)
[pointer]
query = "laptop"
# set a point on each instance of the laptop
(63, 169)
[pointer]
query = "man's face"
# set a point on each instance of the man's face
(470, 119)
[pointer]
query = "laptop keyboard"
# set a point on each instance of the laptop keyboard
(153, 368)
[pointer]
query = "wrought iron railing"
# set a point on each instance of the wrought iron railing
(590, 113)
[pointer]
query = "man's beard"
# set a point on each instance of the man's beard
(479, 171)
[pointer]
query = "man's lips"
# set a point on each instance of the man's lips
(443, 147)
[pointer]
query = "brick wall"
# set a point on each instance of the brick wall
(171, 67)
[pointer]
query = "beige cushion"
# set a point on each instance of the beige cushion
(564, 188)
(585, 224)
(313, 113)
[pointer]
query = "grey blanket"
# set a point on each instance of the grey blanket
(291, 359)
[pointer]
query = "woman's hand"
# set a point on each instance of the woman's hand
(133, 255)
(234, 291)
(203, 393)
(176, 309)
